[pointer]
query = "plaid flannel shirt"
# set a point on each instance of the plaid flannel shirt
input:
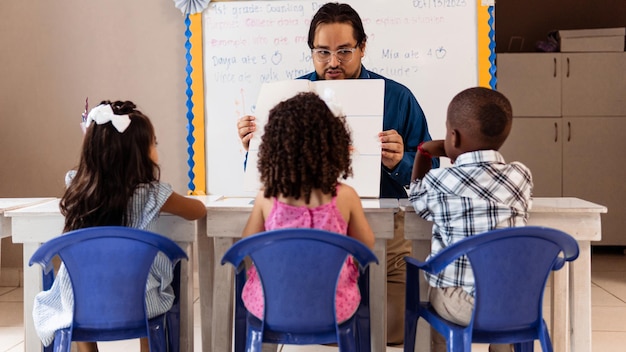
(480, 192)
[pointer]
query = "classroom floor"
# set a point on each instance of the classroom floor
(608, 312)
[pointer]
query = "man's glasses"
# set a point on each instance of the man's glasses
(324, 55)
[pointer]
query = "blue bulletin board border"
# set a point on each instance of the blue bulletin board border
(195, 85)
(195, 105)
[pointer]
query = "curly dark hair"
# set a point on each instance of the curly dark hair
(112, 165)
(334, 12)
(304, 147)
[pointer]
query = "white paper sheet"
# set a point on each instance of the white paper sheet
(361, 100)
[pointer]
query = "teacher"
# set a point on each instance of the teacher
(337, 41)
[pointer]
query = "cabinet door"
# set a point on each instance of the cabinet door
(594, 84)
(536, 142)
(594, 169)
(532, 82)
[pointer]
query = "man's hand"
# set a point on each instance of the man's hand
(392, 148)
(245, 128)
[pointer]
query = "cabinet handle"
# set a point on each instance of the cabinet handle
(554, 74)
(567, 75)
(569, 131)
(556, 132)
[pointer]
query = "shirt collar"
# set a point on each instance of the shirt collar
(364, 74)
(479, 156)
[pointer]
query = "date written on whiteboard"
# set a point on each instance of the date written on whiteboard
(426, 4)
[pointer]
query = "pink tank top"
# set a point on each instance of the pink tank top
(324, 217)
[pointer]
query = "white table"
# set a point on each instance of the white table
(571, 286)
(8, 204)
(226, 218)
(36, 224)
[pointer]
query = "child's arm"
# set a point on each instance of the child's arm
(423, 158)
(358, 227)
(187, 208)
(256, 221)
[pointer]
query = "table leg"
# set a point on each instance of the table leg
(580, 295)
(223, 303)
(186, 299)
(206, 264)
(378, 294)
(559, 310)
(32, 286)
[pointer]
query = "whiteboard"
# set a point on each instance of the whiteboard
(430, 46)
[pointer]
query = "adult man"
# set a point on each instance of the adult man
(337, 41)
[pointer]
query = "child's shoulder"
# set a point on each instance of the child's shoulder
(523, 169)
(346, 191)
(157, 187)
(264, 202)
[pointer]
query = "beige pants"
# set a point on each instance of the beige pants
(455, 305)
(397, 249)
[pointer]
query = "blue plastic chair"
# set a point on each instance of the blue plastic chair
(299, 269)
(108, 267)
(511, 267)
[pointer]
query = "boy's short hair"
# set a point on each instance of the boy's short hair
(485, 113)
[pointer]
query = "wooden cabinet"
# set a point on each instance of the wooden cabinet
(532, 83)
(569, 127)
(593, 84)
(594, 169)
(536, 142)
(564, 84)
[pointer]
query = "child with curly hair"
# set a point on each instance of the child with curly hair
(304, 152)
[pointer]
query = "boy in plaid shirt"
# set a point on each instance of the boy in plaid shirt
(478, 193)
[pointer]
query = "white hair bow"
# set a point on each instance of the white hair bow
(102, 114)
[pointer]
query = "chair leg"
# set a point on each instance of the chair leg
(157, 337)
(240, 333)
(62, 341)
(348, 342)
(411, 306)
(254, 340)
(363, 335)
(457, 342)
(410, 330)
(544, 339)
(527, 346)
(241, 315)
(172, 330)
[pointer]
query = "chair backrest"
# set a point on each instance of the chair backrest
(108, 267)
(299, 270)
(511, 267)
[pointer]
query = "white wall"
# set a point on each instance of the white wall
(53, 54)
